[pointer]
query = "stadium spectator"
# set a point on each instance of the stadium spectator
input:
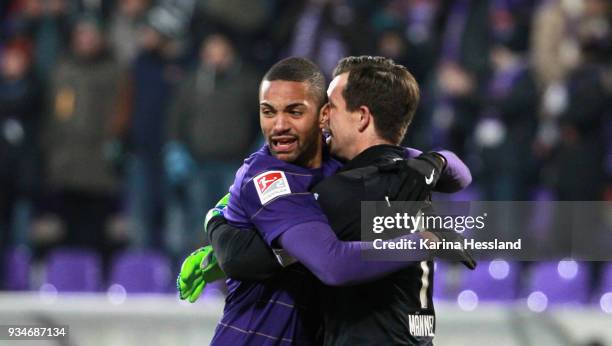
(324, 31)
(461, 68)
(124, 27)
(506, 127)
(554, 52)
(415, 25)
(408, 33)
(579, 157)
(48, 25)
(83, 104)
(242, 16)
(153, 77)
(554, 49)
(20, 110)
(216, 99)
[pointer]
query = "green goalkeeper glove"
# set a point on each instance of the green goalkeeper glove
(200, 268)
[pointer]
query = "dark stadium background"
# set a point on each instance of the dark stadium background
(122, 122)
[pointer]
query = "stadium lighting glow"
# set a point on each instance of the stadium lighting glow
(567, 269)
(537, 301)
(467, 300)
(48, 293)
(499, 269)
(116, 294)
(606, 303)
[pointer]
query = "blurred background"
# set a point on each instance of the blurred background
(123, 121)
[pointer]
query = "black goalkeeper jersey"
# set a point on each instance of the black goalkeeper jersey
(395, 310)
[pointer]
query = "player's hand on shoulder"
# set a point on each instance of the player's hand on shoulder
(430, 165)
(416, 176)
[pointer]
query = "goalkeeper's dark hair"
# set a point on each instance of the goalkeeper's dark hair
(295, 69)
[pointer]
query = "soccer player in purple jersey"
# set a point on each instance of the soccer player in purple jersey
(267, 190)
(271, 193)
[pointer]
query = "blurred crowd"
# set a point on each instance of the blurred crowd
(123, 121)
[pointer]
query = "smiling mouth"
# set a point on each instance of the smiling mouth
(283, 144)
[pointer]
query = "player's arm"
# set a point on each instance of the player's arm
(296, 220)
(287, 214)
(242, 253)
(455, 175)
(338, 263)
(314, 244)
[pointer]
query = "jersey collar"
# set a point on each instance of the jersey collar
(373, 155)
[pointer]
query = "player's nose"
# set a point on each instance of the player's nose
(282, 123)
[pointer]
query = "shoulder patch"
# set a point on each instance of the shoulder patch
(270, 185)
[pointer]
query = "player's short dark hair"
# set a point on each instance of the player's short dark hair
(295, 69)
(389, 90)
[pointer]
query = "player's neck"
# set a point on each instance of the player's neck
(315, 162)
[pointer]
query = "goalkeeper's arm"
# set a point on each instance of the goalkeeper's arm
(242, 253)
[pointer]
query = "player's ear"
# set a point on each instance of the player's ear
(365, 117)
(324, 115)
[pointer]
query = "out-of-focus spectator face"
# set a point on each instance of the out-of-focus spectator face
(149, 38)
(34, 8)
(594, 30)
(133, 8)
(37, 8)
(86, 40)
(501, 57)
(391, 45)
(454, 80)
(217, 52)
(593, 8)
(57, 7)
(14, 63)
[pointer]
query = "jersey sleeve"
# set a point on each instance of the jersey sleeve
(242, 254)
(277, 200)
(455, 176)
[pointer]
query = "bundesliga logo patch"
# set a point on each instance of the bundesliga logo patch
(270, 185)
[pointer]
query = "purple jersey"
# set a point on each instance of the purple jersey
(273, 196)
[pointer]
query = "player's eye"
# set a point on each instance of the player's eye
(266, 112)
(296, 113)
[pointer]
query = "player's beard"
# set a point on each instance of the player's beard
(308, 148)
(311, 150)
